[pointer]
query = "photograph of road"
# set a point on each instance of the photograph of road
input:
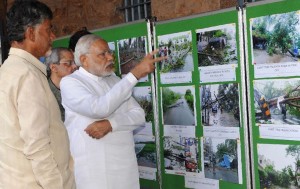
(180, 154)
(131, 52)
(143, 96)
(145, 150)
(220, 159)
(178, 48)
(276, 38)
(277, 101)
(217, 45)
(279, 171)
(178, 105)
(220, 105)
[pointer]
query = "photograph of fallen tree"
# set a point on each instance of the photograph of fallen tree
(276, 38)
(277, 101)
(217, 45)
(281, 170)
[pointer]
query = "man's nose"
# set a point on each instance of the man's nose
(74, 66)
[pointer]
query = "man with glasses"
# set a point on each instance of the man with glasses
(95, 93)
(59, 63)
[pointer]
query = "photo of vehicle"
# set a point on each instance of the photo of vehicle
(180, 154)
(220, 105)
(220, 159)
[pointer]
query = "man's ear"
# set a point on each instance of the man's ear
(83, 60)
(53, 68)
(29, 33)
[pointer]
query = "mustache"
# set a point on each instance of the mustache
(111, 64)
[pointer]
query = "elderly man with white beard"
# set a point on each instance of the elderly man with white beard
(103, 152)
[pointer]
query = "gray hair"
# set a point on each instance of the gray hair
(54, 57)
(83, 46)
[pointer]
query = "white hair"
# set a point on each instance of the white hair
(83, 46)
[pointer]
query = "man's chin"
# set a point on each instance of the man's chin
(48, 52)
(105, 74)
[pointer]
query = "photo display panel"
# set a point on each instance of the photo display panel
(129, 45)
(273, 35)
(199, 100)
(200, 88)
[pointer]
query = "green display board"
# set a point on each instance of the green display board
(227, 113)
(273, 35)
(203, 148)
(198, 88)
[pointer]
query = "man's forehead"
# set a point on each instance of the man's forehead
(67, 54)
(46, 23)
(100, 44)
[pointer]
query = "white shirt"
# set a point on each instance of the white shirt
(109, 162)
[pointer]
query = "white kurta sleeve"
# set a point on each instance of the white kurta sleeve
(130, 119)
(80, 98)
(33, 113)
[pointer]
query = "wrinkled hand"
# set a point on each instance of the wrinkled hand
(147, 65)
(98, 129)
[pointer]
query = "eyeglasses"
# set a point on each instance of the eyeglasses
(68, 62)
(104, 53)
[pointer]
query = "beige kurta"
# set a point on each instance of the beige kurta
(34, 146)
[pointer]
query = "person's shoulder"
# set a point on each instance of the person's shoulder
(69, 77)
(74, 77)
(15, 66)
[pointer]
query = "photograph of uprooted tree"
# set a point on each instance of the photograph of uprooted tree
(217, 45)
(220, 105)
(221, 159)
(276, 38)
(145, 150)
(131, 52)
(178, 105)
(280, 171)
(143, 96)
(178, 48)
(112, 47)
(180, 154)
(277, 101)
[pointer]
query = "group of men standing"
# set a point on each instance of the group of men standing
(82, 112)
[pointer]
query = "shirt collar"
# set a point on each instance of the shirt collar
(29, 58)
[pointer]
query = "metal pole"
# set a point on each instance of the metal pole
(154, 87)
(245, 83)
(241, 3)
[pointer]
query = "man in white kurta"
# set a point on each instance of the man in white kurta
(94, 93)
